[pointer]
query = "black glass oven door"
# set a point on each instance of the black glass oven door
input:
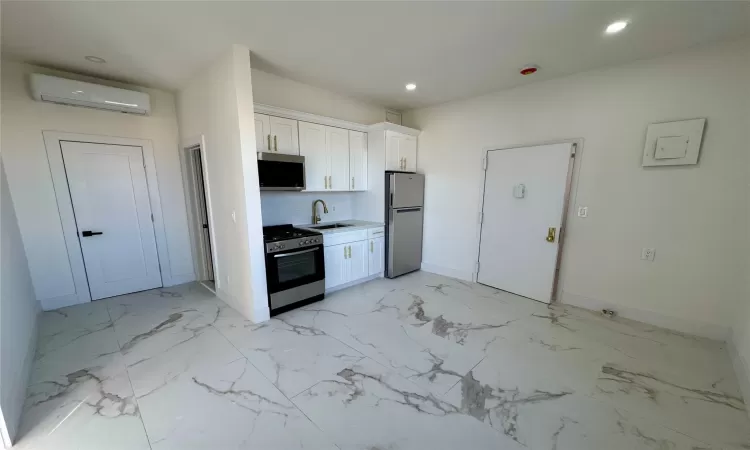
(295, 268)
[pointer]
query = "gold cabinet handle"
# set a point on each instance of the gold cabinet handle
(551, 235)
(345, 252)
(350, 252)
(352, 182)
(330, 181)
(275, 144)
(372, 244)
(325, 181)
(269, 143)
(404, 162)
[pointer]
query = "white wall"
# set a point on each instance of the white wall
(296, 207)
(218, 104)
(274, 90)
(691, 215)
(23, 121)
(18, 316)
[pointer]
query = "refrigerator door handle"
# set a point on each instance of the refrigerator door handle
(391, 200)
(403, 210)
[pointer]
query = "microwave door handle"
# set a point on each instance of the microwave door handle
(280, 255)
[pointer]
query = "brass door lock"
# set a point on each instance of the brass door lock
(551, 235)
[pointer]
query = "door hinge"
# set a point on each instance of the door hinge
(481, 218)
(573, 151)
(484, 163)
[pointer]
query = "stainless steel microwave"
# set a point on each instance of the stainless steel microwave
(279, 172)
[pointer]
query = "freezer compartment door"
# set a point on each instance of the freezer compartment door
(404, 241)
(406, 190)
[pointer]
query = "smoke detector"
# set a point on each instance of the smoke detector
(529, 69)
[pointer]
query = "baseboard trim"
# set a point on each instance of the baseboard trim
(448, 272)
(49, 304)
(174, 280)
(711, 331)
(741, 369)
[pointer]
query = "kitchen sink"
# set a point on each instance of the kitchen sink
(330, 226)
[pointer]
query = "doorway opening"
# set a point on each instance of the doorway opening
(200, 215)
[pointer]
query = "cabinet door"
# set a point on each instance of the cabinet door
(377, 255)
(392, 159)
(312, 145)
(337, 143)
(407, 150)
(262, 132)
(357, 161)
(284, 135)
(358, 260)
(337, 265)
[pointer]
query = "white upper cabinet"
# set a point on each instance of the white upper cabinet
(337, 144)
(327, 159)
(400, 152)
(284, 137)
(312, 145)
(358, 160)
(407, 152)
(262, 133)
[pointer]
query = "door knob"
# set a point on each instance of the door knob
(551, 235)
(89, 233)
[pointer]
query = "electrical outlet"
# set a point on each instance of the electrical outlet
(648, 254)
(234, 217)
(583, 211)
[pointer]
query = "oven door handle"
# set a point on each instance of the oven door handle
(279, 255)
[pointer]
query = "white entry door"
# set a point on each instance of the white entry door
(113, 215)
(524, 200)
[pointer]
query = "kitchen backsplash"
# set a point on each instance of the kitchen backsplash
(296, 207)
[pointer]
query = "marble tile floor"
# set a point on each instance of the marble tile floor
(419, 362)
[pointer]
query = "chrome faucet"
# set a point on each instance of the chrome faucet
(315, 216)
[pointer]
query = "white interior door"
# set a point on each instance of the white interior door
(524, 199)
(113, 215)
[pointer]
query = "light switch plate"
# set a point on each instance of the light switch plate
(673, 143)
(648, 254)
(583, 211)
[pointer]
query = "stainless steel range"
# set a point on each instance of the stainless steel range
(295, 267)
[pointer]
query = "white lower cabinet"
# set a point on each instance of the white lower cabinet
(352, 257)
(336, 265)
(376, 255)
(358, 260)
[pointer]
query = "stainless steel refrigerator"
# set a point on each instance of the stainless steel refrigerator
(404, 200)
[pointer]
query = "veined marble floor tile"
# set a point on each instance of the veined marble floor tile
(226, 406)
(91, 408)
(159, 360)
(688, 402)
(421, 361)
(368, 406)
(428, 360)
(293, 357)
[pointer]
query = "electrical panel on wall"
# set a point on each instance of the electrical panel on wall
(673, 143)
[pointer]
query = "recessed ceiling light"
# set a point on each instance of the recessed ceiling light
(95, 59)
(411, 86)
(616, 27)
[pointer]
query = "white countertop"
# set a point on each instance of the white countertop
(355, 226)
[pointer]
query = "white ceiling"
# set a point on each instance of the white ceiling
(368, 50)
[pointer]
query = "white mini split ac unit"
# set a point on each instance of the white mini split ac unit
(70, 92)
